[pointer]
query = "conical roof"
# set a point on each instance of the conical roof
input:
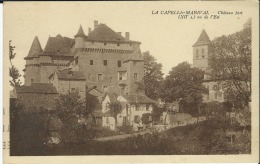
(203, 39)
(35, 50)
(80, 32)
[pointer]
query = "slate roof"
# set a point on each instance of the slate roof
(35, 50)
(138, 99)
(58, 46)
(67, 74)
(103, 33)
(94, 91)
(80, 33)
(37, 88)
(135, 56)
(203, 39)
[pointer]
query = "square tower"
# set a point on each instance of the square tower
(201, 51)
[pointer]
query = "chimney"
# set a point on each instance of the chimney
(95, 23)
(89, 30)
(127, 35)
(119, 33)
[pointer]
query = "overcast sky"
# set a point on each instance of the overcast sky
(168, 38)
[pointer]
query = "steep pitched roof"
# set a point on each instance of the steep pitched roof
(69, 41)
(203, 39)
(135, 56)
(67, 74)
(80, 33)
(35, 50)
(57, 46)
(138, 99)
(103, 33)
(44, 88)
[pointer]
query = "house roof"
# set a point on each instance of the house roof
(58, 46)
(80, 33)
(37, 88)
(67, 74)
(35, 50)
(203, 39)
(99, 113)
(135, 56)
(69, 41)
(103, 33)
(138, 99)
(94, 91)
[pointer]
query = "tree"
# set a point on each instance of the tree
(13, 71)
(116, 108)
(153, 77)
(185, 83)
(231, 61)
(69, 105)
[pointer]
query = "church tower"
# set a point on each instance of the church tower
(202, 49)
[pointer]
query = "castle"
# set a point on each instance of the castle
(103, 59)
(202, 49)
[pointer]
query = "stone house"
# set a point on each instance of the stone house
(37, 95)
(133, 107)
(67, 80)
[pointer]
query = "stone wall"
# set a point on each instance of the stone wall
(32, 101)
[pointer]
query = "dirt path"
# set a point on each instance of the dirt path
(159, 128)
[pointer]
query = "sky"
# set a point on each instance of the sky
(168, 38)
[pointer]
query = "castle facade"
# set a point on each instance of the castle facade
(103, 58)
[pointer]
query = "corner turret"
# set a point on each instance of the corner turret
(80, 39)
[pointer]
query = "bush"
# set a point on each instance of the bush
(126, 129)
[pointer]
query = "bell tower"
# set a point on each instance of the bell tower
(202, 49)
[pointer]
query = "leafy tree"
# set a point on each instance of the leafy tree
(232, 62)
(69, 105)
(185, 83)
(116, 108)
(153, 77)
(13, 71)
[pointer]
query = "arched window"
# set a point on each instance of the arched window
(197, 53)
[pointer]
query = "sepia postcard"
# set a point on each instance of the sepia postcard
(131, 82)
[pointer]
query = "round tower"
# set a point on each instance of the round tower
(32, 68)
(80, 39)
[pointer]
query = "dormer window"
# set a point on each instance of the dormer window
(118, 44)
(92, 42)
(105, 43)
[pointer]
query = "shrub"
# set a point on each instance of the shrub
(126, 129)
